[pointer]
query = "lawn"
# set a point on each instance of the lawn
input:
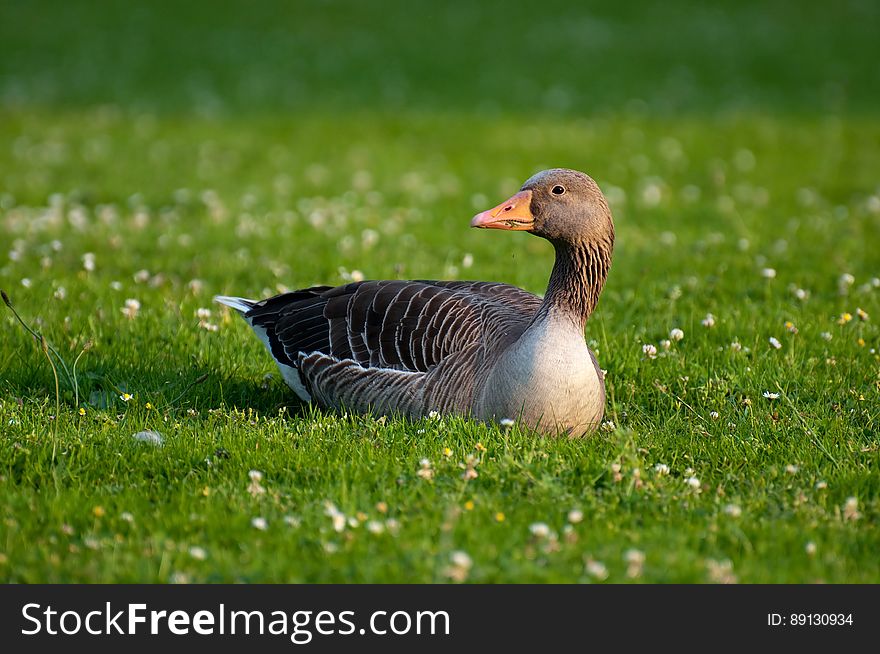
(154, 156)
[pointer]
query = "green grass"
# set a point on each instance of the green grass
(243, 152)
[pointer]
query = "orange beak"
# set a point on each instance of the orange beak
(514, 214)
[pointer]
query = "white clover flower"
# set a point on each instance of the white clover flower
(676, 334)
(539, 529)
(198, 553)
(733, 510)
(608, 425)
(736, 346)
(575, 516)
(826, 336)
(635, 561)
(259, 523)
(693, 482)
(708, 321)
(131, 309)
(661, 469)
(768, 273)
(597, 569)
(375, 527)
(791, 469)
(774, 343)
(649, 350)
(434, 415)
(851, 509)
(88, 260)
(714, 415)
(149, 436)
(844, 282)
(507, 423)
(666, 344)
(810, 548)
(461, 559)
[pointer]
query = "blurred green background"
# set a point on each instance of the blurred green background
(574, 58)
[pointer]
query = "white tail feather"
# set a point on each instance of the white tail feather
(240, 304)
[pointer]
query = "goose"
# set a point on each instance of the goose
(487, 350)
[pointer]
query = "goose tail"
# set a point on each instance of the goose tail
(240, 304)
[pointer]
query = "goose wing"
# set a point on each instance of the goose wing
(408, 326)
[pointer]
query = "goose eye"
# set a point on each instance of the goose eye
(557, 190)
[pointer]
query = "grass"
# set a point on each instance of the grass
(244, 152)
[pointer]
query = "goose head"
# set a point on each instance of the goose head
(561, 205)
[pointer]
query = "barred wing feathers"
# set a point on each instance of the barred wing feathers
(406, 346)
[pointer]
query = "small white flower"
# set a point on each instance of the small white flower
(768, 273)
(714, 415)
(676, 334)
(693, 482)
(26, 282)
(733, 510)
(575, 516)
(128, 517)
(851, 509)
(708, 321)
(821, 485)
(88, 260)
(791, 469)
(608, 425)
(649, 350)
(826, 336)
(800, 293)
(771, 396)
(844, 282)
(597, 569)
(131, 308)
(148, 436)
(666, 344)
(539, 529)
(507, 423)
(661, 469)
(259, 523)
(375, 527)
(467, 261)
(635, 561)
(810, 548)
(198, 553)
(461, 559)
(774, 343)
(357, 276)
(141, 276)
(736, 346)
(202, 313)
(434, 415)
